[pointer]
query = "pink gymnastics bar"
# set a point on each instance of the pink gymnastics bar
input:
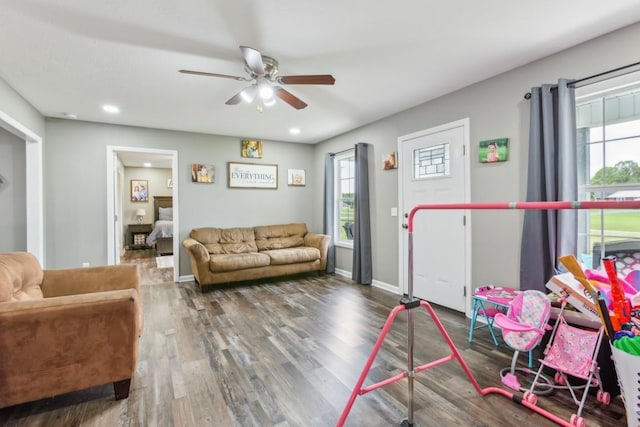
(410, 303)
(527, 206)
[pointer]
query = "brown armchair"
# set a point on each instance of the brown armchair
(66, 330)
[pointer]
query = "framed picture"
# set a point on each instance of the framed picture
(252, 175)
(389, 161)
(202, 173)
(296, 178)
(251, 149)
(493, 150)
(139, 190)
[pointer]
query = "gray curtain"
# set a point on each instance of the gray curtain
(329, 210)
(552, 176)
(362, 270)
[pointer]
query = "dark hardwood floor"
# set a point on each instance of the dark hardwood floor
(288, 353)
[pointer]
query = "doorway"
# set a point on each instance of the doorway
(437, 171)
(117, 190)
(34, 185)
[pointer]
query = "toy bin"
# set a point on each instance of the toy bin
(628, 371)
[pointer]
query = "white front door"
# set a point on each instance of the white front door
(434, 169)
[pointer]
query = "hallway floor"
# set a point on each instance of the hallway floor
(153, 269)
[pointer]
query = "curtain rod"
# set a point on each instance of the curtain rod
(604, 73)
(343, 151)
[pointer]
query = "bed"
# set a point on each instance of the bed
(162, 234)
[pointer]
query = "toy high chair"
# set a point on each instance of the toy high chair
(523, 327)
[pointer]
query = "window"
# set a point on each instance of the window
(430, 162)
(608, 153)
(345, 180)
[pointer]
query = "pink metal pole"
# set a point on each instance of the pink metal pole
(526, 206)
(410, 304)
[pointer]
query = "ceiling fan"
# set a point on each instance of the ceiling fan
(263, 73)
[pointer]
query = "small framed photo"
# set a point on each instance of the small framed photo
(251, 149)
(389, 161)
(296, 178)
(139, 190)
(493, 150)
(202, 173)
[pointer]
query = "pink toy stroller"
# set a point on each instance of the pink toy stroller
(572, 352)
(523, 327)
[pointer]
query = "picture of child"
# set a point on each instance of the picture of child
(492, 154)
(252, 149)
(202, 173)
(493, 150)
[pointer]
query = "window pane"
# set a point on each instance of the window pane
(608, 138)
(429, 162)
(345, 197)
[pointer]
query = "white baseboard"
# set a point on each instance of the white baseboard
(188, 278)
(376, 283)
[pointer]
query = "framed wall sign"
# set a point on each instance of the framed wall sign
(252, 175)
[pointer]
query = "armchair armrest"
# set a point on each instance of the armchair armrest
(320, 241)
(61, 344)
(75, 281)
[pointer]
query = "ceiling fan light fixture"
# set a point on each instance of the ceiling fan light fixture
(269, 102)
(266, 92)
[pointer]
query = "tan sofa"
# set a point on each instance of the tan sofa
(66, 330)
(223, 255)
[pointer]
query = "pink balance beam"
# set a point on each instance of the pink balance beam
(602, 204)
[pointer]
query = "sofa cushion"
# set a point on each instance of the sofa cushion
(280, 236)
(20, 277)
(231, 262)
(292, 255)
(226, 240)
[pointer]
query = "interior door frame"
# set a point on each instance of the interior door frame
(34, 184)
(112, 154)
(465, 124)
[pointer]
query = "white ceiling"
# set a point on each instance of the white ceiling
(73, 56)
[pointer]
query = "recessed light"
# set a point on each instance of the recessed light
(147, 165)
(294, 131)
(111, 109)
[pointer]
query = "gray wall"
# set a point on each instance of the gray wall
(496, 108)
(75, 168)
(75, 186)
(19, 109)
(13, 201)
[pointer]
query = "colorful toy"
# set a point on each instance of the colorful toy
(572, 352)
(621, 304)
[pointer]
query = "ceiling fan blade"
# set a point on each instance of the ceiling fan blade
(320, 79)
(289, 98)
(247, 94)
(202, 73)
(235, 99)
(253, 58)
